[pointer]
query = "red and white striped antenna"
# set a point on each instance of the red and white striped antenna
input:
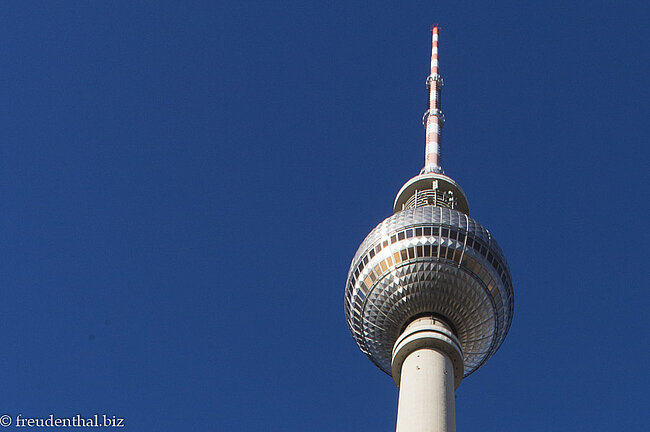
(433, 118)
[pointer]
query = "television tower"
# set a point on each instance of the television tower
(429, 296)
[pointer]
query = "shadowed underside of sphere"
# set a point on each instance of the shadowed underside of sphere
(429, 260)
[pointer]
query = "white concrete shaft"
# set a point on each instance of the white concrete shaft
(426, 394)
(427, 367)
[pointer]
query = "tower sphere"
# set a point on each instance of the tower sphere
(429, 258)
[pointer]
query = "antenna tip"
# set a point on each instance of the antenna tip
(435, 28)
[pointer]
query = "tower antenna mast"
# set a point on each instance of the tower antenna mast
(433, 118)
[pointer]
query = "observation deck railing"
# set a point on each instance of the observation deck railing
(430, 197)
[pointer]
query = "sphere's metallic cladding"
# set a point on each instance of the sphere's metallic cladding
(429, 260)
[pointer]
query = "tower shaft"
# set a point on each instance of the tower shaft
(426, 395)
(427, 358)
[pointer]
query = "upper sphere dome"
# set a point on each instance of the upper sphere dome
(429, 260)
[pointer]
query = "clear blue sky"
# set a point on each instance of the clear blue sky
(184, 184)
